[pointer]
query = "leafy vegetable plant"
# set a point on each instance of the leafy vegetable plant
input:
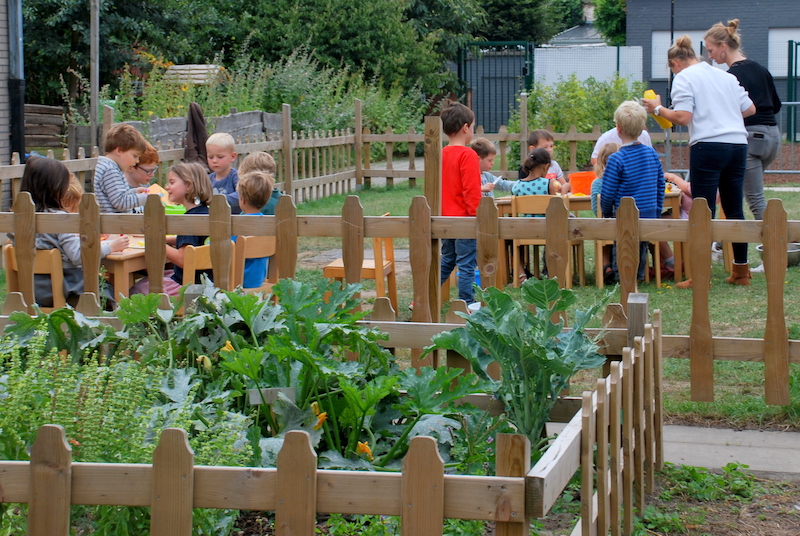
(537, 356)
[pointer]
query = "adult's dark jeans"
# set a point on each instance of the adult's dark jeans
(720, 166)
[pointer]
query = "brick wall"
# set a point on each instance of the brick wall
(756, 19)
(5, 112)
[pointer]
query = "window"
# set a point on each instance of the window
(660, 45)
(779, 49)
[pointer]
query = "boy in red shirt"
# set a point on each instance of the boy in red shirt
(461, 193)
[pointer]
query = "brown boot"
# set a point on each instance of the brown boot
(684, 284)
(740, 275)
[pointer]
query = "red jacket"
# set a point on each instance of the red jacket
(461, 181)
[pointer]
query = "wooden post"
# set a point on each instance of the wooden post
(288, 173)
(221, 247)
(615, 442)
(108, 122)
(627, 248)
(286, 234)
(638, 314)
(412, 162)
(638, 423)
(658, 410)
(558, 247)
(488, 242)
(649, 410)
(90, 243)
(433, 193)
(513, 459)
(421, 259)
(776, 339)
(603, 474)
(353, 241)
(173, 485)
(359, 144)
(701, 345)
(627, 442)
(523, 127)
(588, 440)
(422, 489)
(25, 245)
(296, 493)
(155, 252)
(51, 483)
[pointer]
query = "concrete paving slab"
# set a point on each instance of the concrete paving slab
(713, 448)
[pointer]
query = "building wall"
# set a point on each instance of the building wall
(756, 20)
(5, 112)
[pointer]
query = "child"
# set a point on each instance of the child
(221, 156)
(542, 139)
(261, 161)
(633, 171)
(254, 188)
(48, 182)
(607, 150)
(187, 185)
(123, 147)
(486, 152)
(535, 182)
(71, 201)
(142, 173)
(461, 193)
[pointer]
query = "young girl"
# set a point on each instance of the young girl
(609, 277)
(187, 185)
(71, 201)
(535, 183)
(48, 182)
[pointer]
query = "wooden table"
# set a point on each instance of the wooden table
(122, 265)
(577, 203)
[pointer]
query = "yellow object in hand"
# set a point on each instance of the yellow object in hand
(663, 123)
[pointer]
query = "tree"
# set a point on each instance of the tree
(566, 13)
(517, 20)
(609, 17)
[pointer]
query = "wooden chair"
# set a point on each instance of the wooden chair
(537, 205)
(197, 258)
(383, 249)
(254, 247)
(48, 261)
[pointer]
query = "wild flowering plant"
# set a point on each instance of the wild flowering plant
(537, 356)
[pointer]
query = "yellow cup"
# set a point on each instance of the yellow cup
(663, 123)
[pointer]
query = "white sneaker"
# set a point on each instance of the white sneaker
(758, 269)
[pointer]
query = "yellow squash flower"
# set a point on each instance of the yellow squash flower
(363, 448)
(228, 347)
(321, 418)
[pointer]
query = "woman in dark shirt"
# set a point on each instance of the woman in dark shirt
(723, 45)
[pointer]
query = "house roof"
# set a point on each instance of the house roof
(582, 34)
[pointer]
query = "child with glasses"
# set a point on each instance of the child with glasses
(142, 174)
(123, 147)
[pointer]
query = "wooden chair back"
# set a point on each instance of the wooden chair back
(48, 262)
(254, 247)
(197, 258)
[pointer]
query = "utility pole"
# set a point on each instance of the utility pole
(16, 79)
(94, 69)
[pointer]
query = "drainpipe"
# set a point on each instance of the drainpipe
(16, 79)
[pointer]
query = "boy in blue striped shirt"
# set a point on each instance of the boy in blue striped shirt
(633, 171)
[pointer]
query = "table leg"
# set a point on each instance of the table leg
(677, 247)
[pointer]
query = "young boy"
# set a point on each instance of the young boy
(123, 147)
(486, 152)
(461, 193)
(542, 139)
(261, 161)
(633, 171)
(254, 189)
(221, 153)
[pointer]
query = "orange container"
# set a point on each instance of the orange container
(581, 182)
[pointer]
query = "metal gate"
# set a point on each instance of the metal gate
(792, 90)
(492, 74)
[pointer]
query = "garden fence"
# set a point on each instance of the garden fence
(629, 453)
(424, 228)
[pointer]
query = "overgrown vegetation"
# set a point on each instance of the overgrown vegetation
(574, 102)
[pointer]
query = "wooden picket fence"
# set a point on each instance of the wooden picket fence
(422, 495)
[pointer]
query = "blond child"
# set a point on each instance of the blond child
(71, 201)
(221, 154)
(123, 147)
(543, 139)
(255, 188)
(261, 161)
